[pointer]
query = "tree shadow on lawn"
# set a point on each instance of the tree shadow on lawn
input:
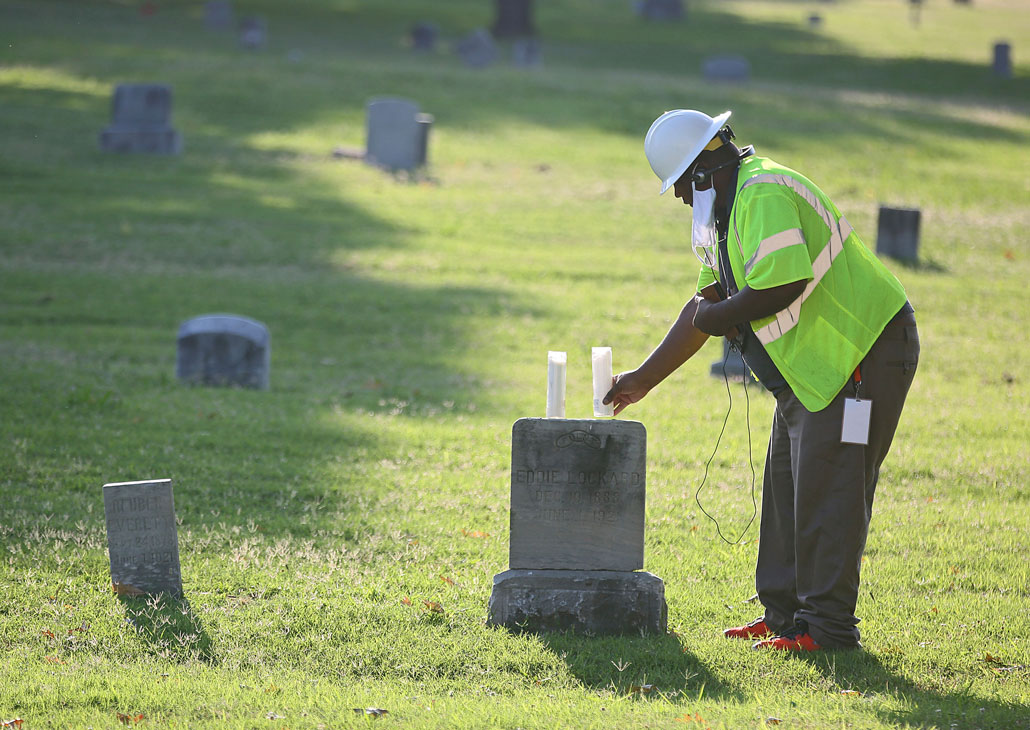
(922, 707)
(169, 626)
(630, 664)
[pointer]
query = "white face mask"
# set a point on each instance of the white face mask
(703, 236)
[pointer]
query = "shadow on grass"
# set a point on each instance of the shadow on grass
(920, 707)
(169, 626)
(633, 665)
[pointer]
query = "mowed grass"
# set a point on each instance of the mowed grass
(410, 322)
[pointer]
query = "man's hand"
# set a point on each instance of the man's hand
(629, 387)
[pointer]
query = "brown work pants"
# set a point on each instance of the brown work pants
(818, 494)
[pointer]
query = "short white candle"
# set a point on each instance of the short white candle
(601, 358)
(556, 365)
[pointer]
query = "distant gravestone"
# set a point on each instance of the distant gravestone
(525, 52)
(142, 541)
(577, 531)
(1002, 65)
(477, 49)
(218, 14)
(897, 233)
(141, 121)
(815, 20)
(397, 134)
(729, 67)
(423, 36)
(514, 19)
(663, 10)
(253, 33)
(223, 350)
(732, 364)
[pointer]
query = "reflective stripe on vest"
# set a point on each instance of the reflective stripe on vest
(839, 231)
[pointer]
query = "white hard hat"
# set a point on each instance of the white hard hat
(676, 139)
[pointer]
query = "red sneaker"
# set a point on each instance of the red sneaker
(796, 638)
(754, 630)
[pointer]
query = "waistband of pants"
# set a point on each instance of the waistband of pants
(896, 328)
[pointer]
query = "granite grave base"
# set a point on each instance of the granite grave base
(598, 602)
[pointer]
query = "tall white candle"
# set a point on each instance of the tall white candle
(556, 364)
(601, 358)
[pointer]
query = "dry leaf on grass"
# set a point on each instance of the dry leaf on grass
(433, 606)
(15, 723)
(406, 601)
(372, 711)
(641, 689)
(126, 719)
(446, 580)
(851, 693)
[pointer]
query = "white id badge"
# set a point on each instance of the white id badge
(856, 421)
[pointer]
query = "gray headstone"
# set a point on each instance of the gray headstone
(577, 494)
(514, 18)
(659, 9)
(218, 14)
(525, 52)
(594, 601)
(142, 541)
(815, 20)
(897, 233)
(397, 134)
(734, 364)
(729, 67)
(1002, 60)
(253, 33)
(477, 49)
(423, 36)
(223, 349)
(141, 121)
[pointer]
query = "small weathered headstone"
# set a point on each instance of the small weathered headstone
(514, 19)
(423, 36)
(223, 349)
(253, 33)
(729, 67)
(660, 9)
(577, 531)
(218, 14)
(477, 49)
(397, 134)
(815, 20)
(525, 52)
(732, 364)
(897, 233)
(1002, 64)
(142, 540)
(141, 121)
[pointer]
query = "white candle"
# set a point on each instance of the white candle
(601, 358)
(556, 362)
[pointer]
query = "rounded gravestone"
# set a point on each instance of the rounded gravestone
(223, 349)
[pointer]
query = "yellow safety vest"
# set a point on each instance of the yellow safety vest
(784, 229)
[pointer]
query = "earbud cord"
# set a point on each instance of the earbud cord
(750, 456)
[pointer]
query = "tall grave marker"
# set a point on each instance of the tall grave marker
(397, 134)
(141, 121)
(897, 233)
(577, 531)
(223, 349)
(142, 541)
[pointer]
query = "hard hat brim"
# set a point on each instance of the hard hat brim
(713, 129)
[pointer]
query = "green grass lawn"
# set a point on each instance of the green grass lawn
(410, 323)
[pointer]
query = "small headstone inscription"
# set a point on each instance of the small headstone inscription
(577, 494)
(729, 67)
(142, 541)
(218, 14)
(253, 33)
(1002, 65)
(141, 121)
(477, 49)
(577, 531)
(897, 233)
(514, 18)
(223, 349)
(397, 134)
(423, 36)
(525, 52)
(662, 10)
